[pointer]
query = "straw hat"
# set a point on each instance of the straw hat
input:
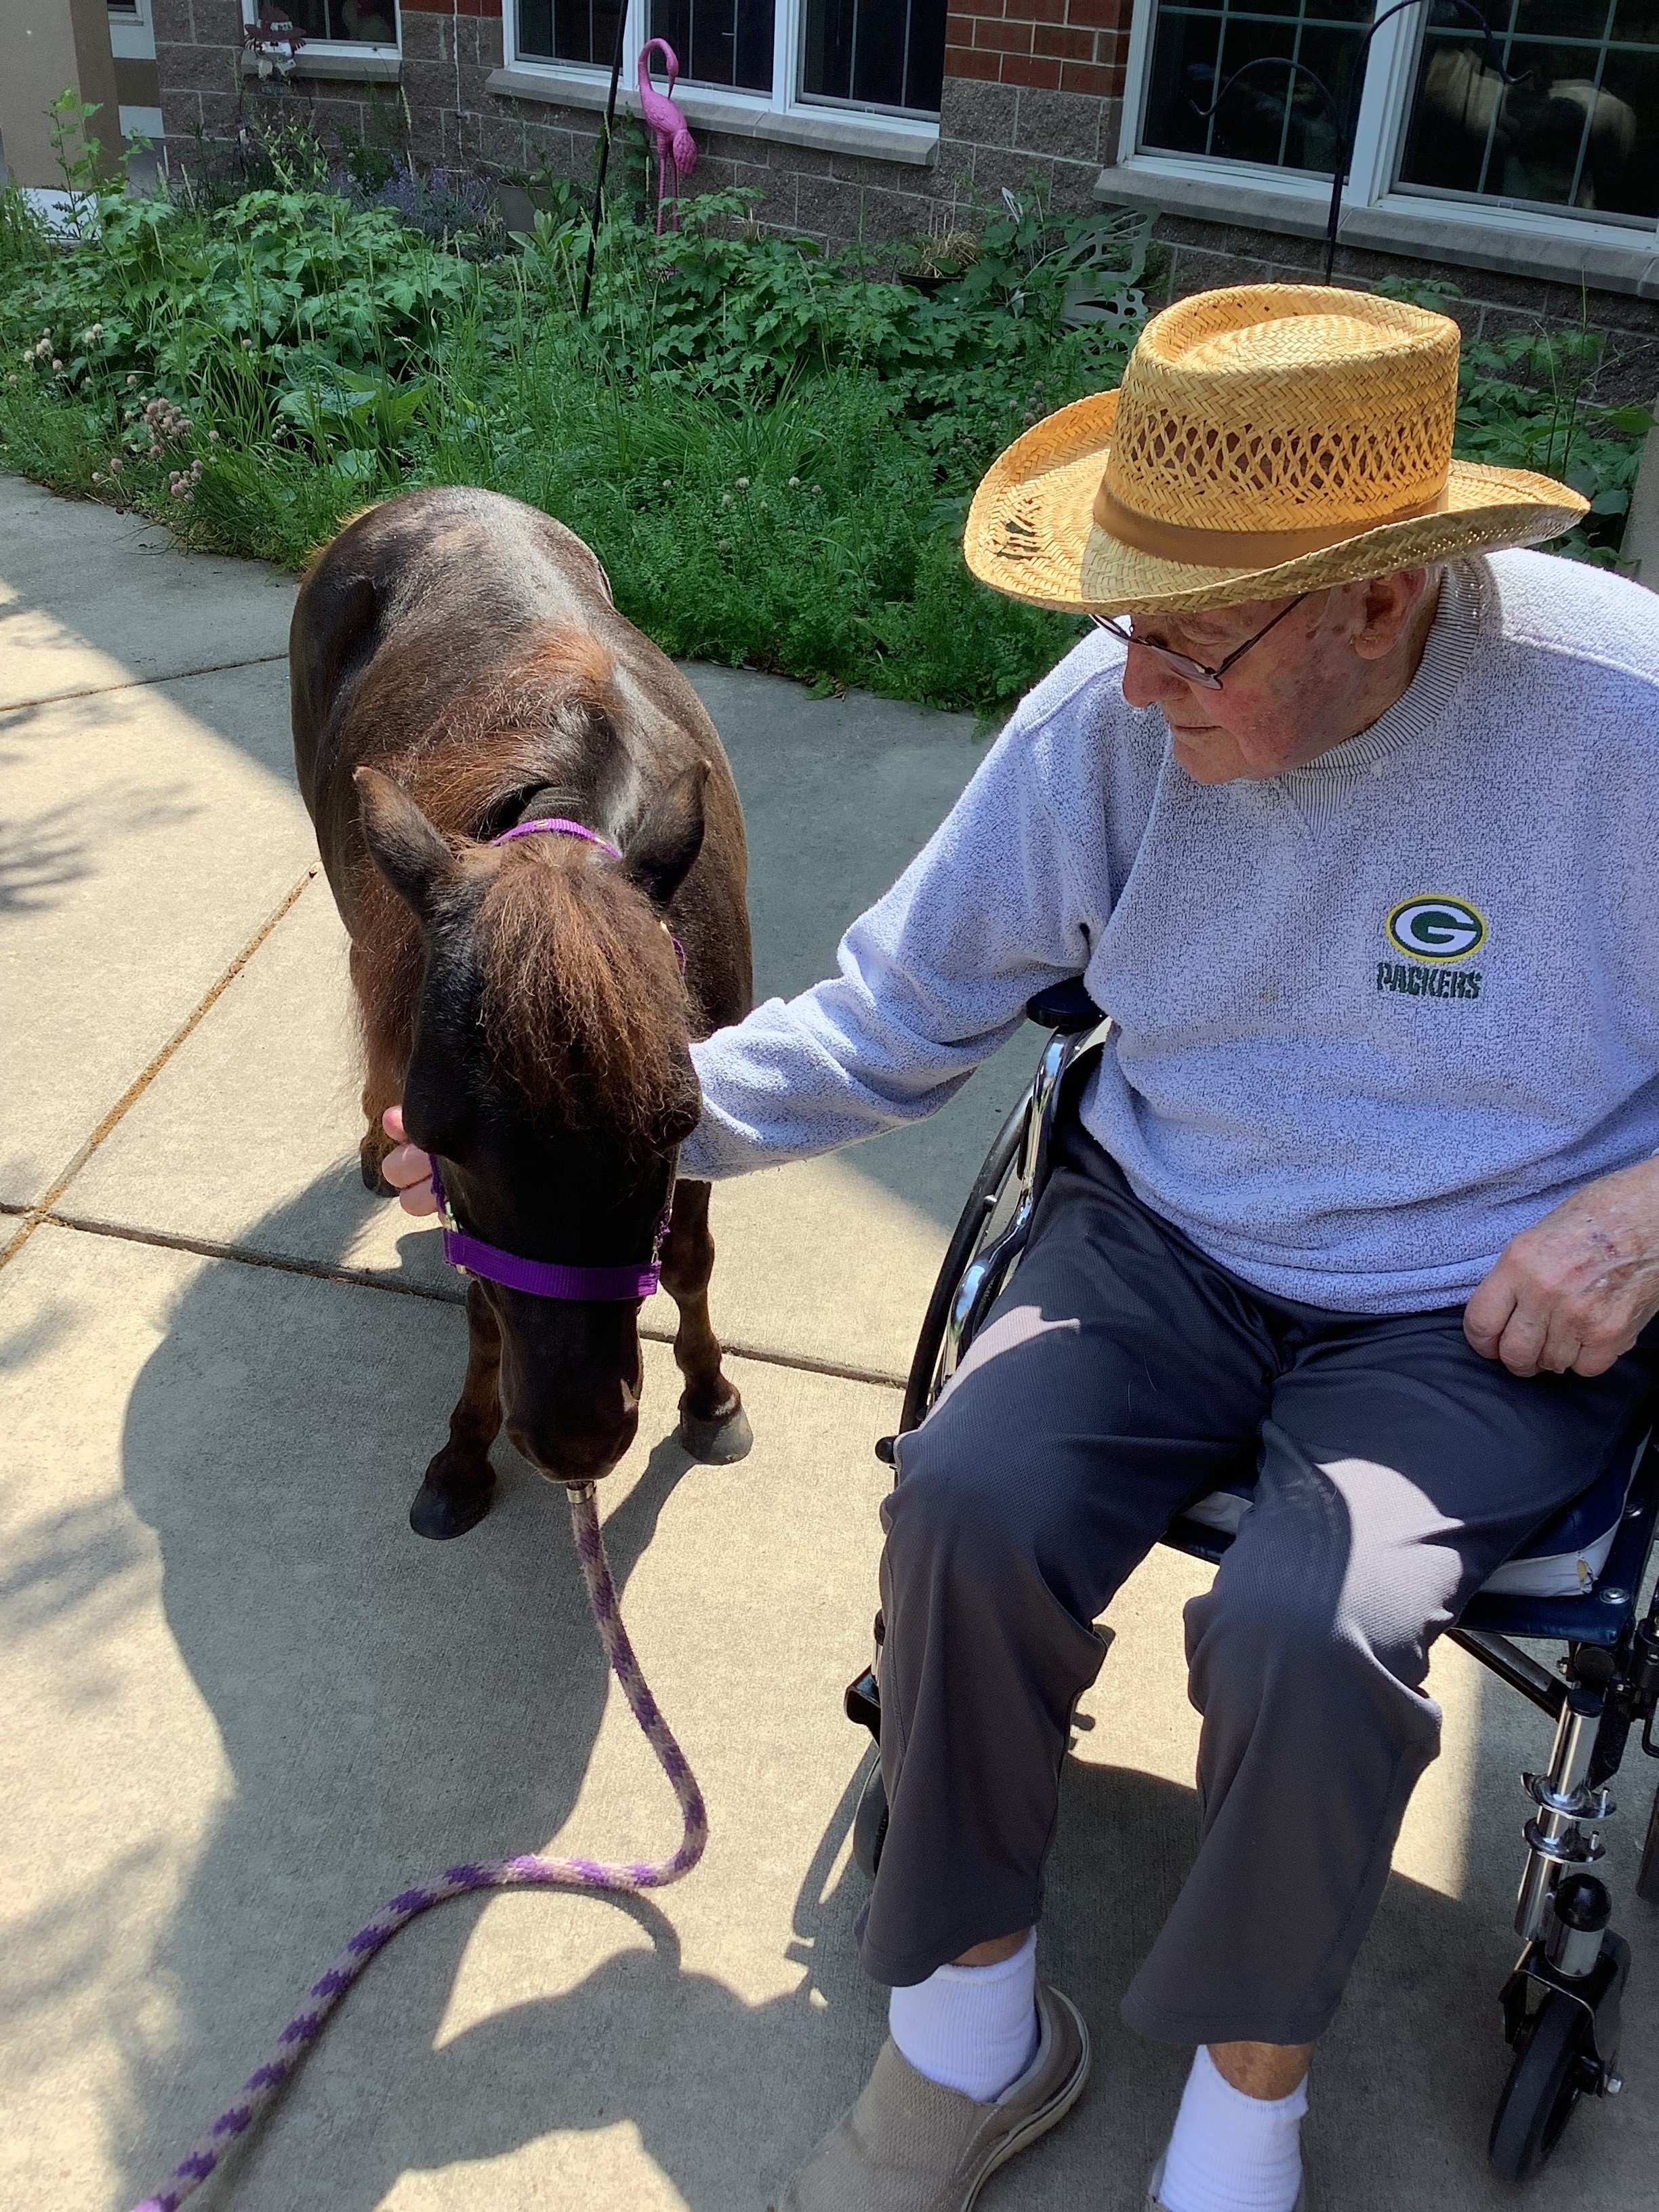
(1266, 439)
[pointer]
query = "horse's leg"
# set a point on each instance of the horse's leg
(381, 1083)
(713, 1427)
(455, 1493)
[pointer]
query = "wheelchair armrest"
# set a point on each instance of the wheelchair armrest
(1065, 1008)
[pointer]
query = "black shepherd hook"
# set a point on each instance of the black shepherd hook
(1350, 122)
(1273, 61)
(604, 157)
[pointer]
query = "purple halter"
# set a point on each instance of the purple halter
(552, 1279)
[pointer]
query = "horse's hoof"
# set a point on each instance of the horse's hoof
(369, 1163)
(436, 1514)
(717, 1443)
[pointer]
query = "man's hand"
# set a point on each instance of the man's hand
(408, 1167)
(1573, 1292)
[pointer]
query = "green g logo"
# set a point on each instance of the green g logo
(1436, 928)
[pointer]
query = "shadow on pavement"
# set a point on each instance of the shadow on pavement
(387, 1707)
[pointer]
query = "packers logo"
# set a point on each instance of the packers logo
(1437, 927)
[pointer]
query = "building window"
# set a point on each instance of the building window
(1275, 113)
(568, 30)
(1573, 133)
(883, 57)
(344, 23)
(871, 54)
(723, 42)
(1578, 127)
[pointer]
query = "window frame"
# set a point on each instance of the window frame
(1378, 151)
(359, 47)
(131, 30)
(712, 105)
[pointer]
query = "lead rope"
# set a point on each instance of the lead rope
(528, 1872)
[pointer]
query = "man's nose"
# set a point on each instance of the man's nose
(1148, 680)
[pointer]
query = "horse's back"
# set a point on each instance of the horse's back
(444, 578)
(445, 621)
(419, 602)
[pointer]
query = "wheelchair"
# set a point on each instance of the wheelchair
(1577, 1583)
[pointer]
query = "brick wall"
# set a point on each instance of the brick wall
(1040, 45)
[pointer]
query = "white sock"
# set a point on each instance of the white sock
(1231, 2152)
(971, 2028)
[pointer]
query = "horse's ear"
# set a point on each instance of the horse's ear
(412, 856)
(660, 853)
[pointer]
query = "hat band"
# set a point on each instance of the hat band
(1240, 548)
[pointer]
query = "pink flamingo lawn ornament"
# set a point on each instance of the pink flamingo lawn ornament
(677, 150)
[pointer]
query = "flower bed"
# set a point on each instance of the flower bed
(770, 452)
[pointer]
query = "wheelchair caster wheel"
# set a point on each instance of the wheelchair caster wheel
(1555, 2065)
(870, 1824)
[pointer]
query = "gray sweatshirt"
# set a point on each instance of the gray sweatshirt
(1374, 1016)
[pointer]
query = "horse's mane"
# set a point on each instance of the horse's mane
(582, 999)
(582, 1003)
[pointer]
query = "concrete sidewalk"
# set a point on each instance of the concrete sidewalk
(245, 1704)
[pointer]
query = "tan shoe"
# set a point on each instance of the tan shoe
(1155, 2203)
(909, 2146)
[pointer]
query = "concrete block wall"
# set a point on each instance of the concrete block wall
(1033, 90)
(1196, 256)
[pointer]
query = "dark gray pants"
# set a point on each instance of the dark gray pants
(1121, 1377)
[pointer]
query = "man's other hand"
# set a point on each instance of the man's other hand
(1572, 1293)
(408, 1167)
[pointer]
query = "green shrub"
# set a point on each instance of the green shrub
(1524, 402)
(771, 450)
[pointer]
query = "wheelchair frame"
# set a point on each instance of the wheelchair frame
(1561, 2001)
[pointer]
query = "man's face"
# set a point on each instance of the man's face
(1322, 674)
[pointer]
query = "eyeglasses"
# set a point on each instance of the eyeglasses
(1194, 671)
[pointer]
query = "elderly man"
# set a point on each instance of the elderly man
(1353, 830)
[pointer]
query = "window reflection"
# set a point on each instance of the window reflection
(726, 42)
(362, 22)
(1579, 126)
(567, 30)
(1275, 114)
(874, 53)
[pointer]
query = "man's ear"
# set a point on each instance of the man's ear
(661, 851)
(414, 857)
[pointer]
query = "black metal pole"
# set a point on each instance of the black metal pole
(1351, 125)
(604, 158)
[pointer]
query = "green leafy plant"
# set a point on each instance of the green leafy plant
(76, 151)
(771, 449)
(1525, 402)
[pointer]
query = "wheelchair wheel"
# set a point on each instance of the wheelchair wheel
(1554, 2065)
(870, 1824)
(970, 1234)
(1647, 1881)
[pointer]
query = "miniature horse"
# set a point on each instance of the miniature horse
(458, 668)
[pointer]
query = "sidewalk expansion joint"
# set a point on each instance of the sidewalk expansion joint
(135, 1091)
(141, 682)
(367, 1278)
